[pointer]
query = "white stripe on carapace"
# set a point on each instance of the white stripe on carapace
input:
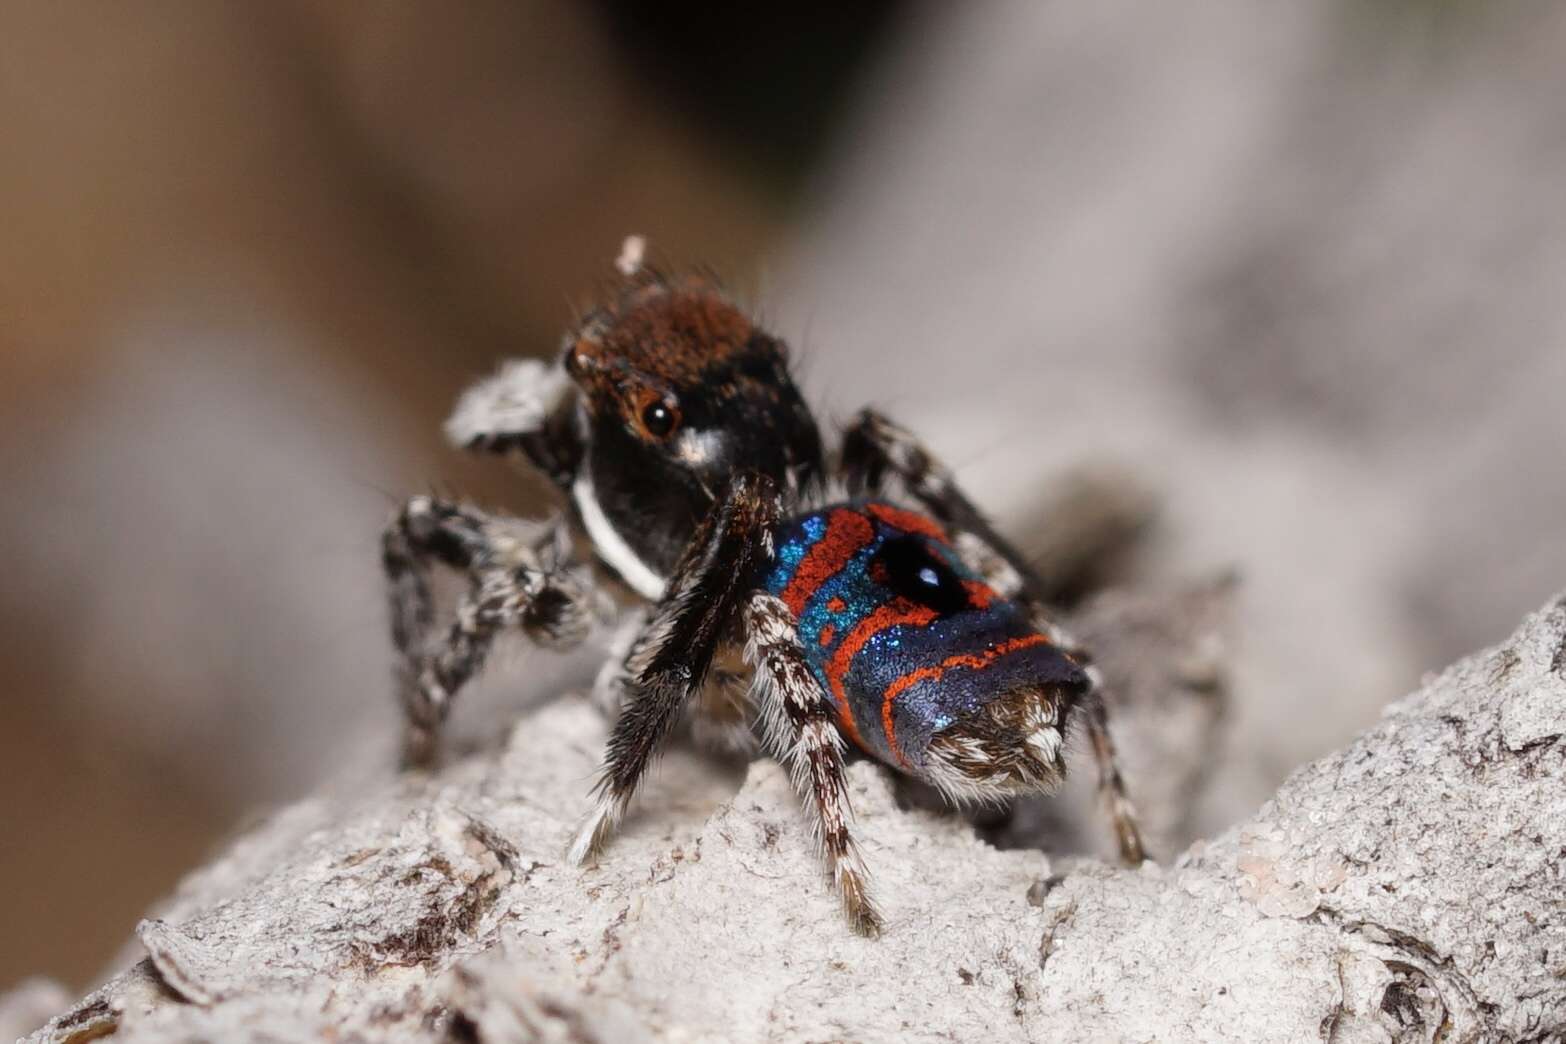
(610, 545)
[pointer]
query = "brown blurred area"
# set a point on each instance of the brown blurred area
(250, 253)
(1297, 267)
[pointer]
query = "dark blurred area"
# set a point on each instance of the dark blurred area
(1299, 269)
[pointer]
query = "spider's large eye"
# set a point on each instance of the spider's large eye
(658, 417)
(915, 572)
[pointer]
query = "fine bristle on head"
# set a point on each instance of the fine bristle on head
(632, 252)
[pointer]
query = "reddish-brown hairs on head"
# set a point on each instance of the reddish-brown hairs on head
(671, 329)
(662, 339)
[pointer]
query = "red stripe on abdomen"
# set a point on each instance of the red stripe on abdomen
(900, 612)
(910, 521)
(847, 533)
(973, 661)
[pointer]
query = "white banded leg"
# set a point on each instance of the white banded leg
(800, 728)
(990, 564)
(1122, 814)
(875, 448)
(1111, 786)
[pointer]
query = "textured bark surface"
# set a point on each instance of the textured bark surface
(1411, 887)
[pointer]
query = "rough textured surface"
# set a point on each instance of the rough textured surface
(1411, 887)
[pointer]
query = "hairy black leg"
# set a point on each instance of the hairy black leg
(801, 731)
(670, 660)
(721, 714)
(875, 449)
(519, 575)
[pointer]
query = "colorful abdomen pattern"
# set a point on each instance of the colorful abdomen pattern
(905, 638)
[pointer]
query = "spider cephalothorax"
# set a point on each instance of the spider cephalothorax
(681, 391)
(662, 394)
(909, 630)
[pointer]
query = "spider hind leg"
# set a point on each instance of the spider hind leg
(874, 450)
(800, 729)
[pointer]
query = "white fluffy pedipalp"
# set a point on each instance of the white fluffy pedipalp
(516, 400)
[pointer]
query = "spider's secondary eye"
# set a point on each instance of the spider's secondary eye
(660, 418)
(915, 572)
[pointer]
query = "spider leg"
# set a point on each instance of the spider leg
(519, 575)
(1111, 787)
(801, 730)
(720, 716)
(874, 449)
(614, 679)
(671, 658)
(1111, 784)
(983, 559)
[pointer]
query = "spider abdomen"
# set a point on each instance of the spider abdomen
(928, 667)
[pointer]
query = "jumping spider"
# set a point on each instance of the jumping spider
(911, 631)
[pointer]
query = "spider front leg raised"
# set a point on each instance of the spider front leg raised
(800, 730)
(519, 575)
(670, 660)
(875, 449)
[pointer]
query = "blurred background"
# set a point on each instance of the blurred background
(1302, 268)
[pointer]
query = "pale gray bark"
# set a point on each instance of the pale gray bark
(1411, 887)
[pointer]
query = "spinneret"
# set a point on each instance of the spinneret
(928, 668)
